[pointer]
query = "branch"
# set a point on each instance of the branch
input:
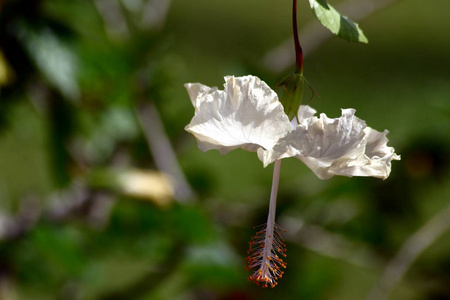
(28, 214)
(76, 200)
(113, 18)
(314, 35)
(155, 13)
(163, 153)
(333, 245)
(413, 247)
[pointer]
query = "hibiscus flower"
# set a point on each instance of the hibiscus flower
(247, 114)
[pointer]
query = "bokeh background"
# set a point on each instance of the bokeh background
(103, 195)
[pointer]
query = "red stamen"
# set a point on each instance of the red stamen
(263, 258)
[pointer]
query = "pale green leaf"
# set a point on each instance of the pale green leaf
(339, 25)
(53, 58)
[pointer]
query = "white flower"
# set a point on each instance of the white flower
(247, 114)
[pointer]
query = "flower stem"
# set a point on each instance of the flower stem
(298, 47)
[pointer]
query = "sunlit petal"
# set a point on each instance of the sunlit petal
(341, 146)
(246, 114)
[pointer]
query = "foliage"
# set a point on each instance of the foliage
(339, 25)
(78, 80)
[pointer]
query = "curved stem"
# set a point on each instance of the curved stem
(298, 47)
(279, 59)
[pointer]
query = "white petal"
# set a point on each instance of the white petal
(305, 113)
(341, 146)
(246, 114)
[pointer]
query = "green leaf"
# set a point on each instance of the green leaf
(336, 23)
(56, 61)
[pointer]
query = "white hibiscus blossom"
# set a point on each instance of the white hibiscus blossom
(247, 114)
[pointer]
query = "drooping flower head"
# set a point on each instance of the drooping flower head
(247, 114)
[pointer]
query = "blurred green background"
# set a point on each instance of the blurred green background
(92, 103)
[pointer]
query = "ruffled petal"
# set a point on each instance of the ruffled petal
(342, 146)
(305, 113)
(246, 114)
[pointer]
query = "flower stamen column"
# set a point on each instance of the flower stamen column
(267, 245)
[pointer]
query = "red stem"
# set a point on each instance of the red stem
(298, 48)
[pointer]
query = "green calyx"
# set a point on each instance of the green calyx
(291, 93)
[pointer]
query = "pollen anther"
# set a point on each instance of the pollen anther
(264, 252)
